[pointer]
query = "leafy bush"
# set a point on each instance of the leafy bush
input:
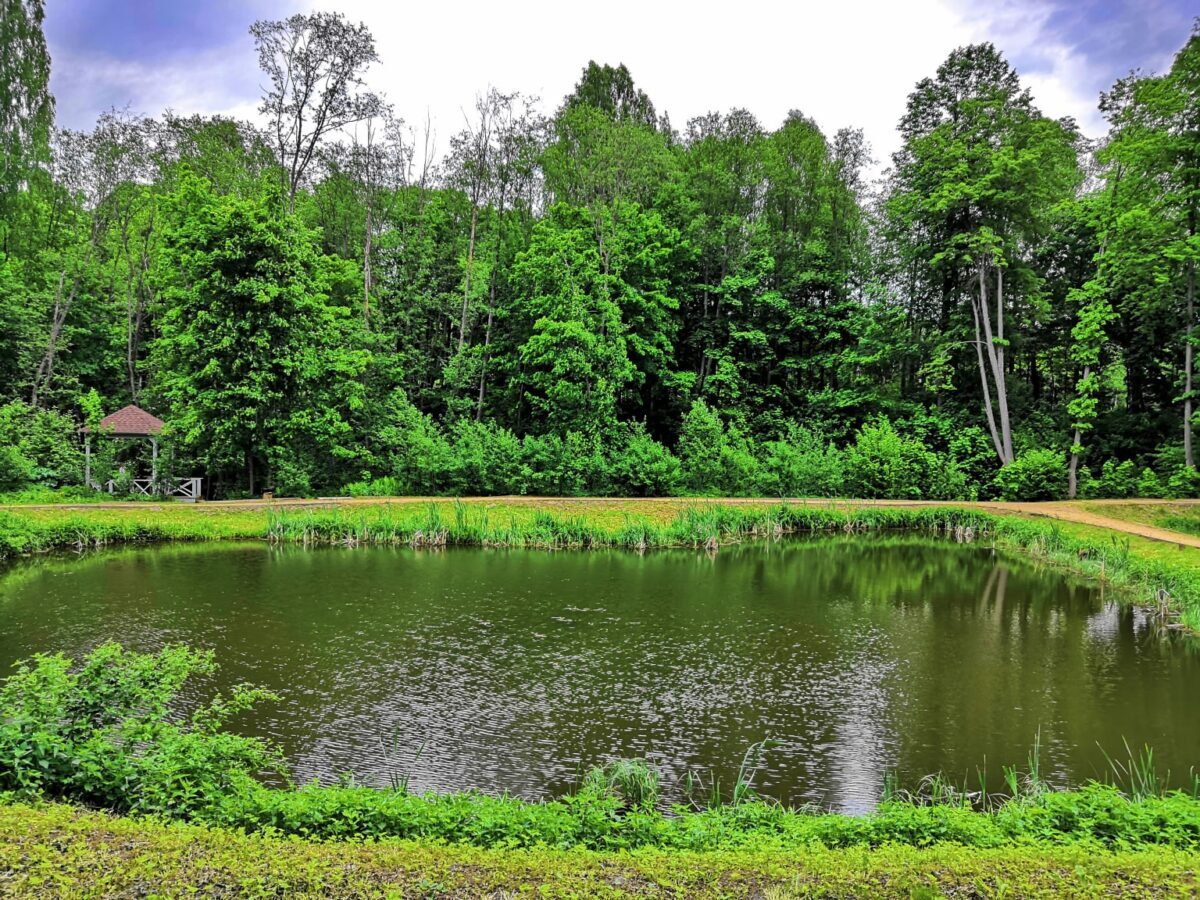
(1149, 485)
(883, 464)
(739, 467)
(1117, 480)
(569, 466)
(1034, 475)
(1184, 483)
(642, 467)
(483, 459)
(42, 447)
(701, 444)
(802, 465)
(16, 472)
(111, 732)
(415, 449)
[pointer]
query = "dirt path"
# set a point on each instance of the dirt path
(1076, 512)
(1073, 512)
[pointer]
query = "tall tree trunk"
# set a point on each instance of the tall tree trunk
(1001, 378)
(487, 334)
(989, 345)
(987, 389)
(1188, 457)
(368, 225)
(462, 325)
(1073, 468)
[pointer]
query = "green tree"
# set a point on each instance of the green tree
(256, 356)
(1154, 154)
(26, 106)
(972, 189)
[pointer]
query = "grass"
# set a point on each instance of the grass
(1153, 572)
(351, 841)
(54, 850)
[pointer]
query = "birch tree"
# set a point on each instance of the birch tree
(971, 189)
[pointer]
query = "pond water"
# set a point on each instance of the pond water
(516, 670)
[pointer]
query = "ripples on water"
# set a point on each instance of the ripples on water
(516, 670)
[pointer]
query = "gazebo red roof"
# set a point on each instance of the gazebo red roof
(132, 421)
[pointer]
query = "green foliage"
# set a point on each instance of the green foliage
(701, 442)
(38, 446)
(632, 782)
(1149, 485)
(1119, 480)
(569, 304)
(85, 853)
(111, 732)
(256, 359)
(16, 471)
(571, 465)
(1034, 475)
(1184, 483)
(881, 463)
(642, 467)
(802, 465)
(483, 459)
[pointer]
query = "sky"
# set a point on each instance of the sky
(841, 62)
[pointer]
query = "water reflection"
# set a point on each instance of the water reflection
(516, 670)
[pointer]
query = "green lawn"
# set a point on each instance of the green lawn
(59, 851)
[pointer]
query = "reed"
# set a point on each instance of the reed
(1169, 586)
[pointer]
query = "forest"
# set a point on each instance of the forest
(581, 297)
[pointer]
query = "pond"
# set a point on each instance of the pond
(516, 670)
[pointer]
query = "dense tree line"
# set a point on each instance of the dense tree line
(596, 301)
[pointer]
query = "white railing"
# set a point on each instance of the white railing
(186, 489)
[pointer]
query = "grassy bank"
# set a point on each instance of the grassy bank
(1152, 573)
(58, 851)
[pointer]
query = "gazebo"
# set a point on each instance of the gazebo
(134, 423)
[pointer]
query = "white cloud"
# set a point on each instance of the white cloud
(844, 64)
(223, 80)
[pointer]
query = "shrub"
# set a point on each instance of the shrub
(642, 467)
(568, 466)
(740, 469)
(701, 445)
(483, 458)
(413, 447)
(1034, 475)
(802, 465)
(1149, 485)
(45, 440)
(1184, 483)
(883, 464)
(109, 732)
(16, 472)
(1117, 480)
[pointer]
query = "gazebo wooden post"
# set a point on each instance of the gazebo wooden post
(154, 463)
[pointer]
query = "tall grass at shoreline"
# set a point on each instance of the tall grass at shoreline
(1172, 590)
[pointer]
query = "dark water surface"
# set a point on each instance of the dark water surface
(517, 669)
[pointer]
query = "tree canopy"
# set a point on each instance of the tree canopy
(593, 301)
